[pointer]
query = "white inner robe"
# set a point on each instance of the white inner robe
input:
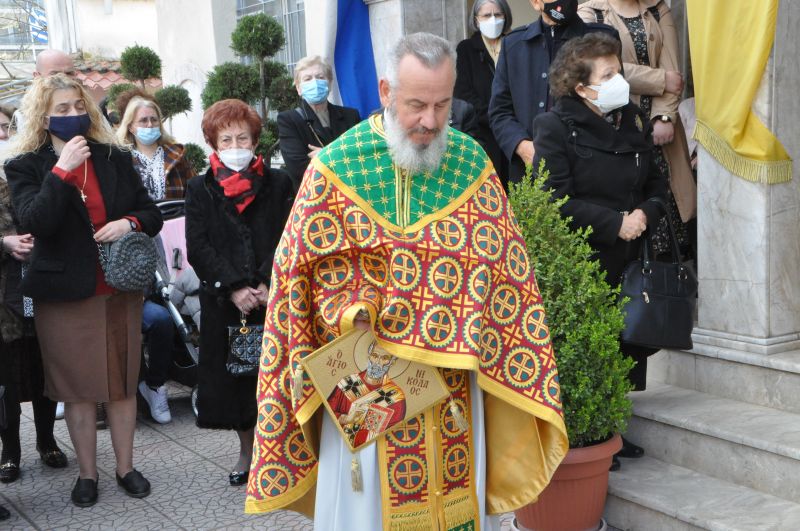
(338, 508)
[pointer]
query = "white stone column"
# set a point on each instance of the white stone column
(749, 233)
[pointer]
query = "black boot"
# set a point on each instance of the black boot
(630, 450)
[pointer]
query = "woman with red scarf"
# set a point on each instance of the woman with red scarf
(235, 215)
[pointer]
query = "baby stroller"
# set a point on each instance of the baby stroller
(176, 291)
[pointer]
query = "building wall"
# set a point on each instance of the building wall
(188, 55)
(107, 27)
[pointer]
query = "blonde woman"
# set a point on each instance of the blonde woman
(66, 177)
(158, 160)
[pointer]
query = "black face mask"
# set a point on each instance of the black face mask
(561, 11)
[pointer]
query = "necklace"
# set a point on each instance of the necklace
(85, 172)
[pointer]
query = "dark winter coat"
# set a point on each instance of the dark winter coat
(464, 119)
(521, 86)
(474, 76)
(228, 251)
(604, 171)
(295, 134)
(63, 264)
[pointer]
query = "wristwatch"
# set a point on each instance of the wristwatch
(133, 225)
(665, 118)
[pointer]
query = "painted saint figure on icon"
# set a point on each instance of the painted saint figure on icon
(368, 402)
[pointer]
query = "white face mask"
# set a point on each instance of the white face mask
(236, 159)
(492, 28)
(611, 94)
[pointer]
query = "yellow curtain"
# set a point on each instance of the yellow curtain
(730, 43)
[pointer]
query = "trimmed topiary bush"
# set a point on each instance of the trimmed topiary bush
(173, 100)
(583, 314)
(259, 36)
(139, 63)
(231, 80)
(196, 157)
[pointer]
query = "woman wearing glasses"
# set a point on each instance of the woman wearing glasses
(477, 56)
(164, 171)
(157, 158)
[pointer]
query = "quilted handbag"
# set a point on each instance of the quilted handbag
(129, 263)
(661, 296)
(244, 348)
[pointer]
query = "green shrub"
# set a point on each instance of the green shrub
(258, 36)
(139, 63)
(115, 90)
(231, 80)
(173, 100)
(196, 157)
(583, 314)
(267, 140)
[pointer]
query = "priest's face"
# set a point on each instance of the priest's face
(421, 98)
(417, 113)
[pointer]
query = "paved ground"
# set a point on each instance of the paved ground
(187, 467)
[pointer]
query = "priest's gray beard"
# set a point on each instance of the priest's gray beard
(415, 158)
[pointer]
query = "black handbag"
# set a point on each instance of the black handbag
(661, 296)
(244, 348)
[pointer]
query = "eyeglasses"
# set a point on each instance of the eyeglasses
(487, 16)
(150, 120)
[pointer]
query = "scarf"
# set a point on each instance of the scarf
(237, 186)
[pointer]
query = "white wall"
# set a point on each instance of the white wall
(190, 50)
(106, 27)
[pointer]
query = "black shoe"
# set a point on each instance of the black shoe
(4, 513)
(84, 493)
(238, 478)
(630, 450)
(54, 457)
(615, 464)
(9, 471)
(134, 483)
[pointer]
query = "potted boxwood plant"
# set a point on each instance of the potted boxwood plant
(585, 322)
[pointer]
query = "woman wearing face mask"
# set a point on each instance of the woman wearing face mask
(477, 57)
(160, 163)
(597, 146)
(650, 59)
(67, 179)
(157, 158)
(235, 215)
(316, 122)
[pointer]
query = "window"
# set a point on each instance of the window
(291, 15)
(23, 29)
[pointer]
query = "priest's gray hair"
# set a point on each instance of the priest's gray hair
(431, 51)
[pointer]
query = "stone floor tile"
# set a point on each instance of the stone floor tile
(218, 508)
(142, 519)
(220, 446)
(274, 521)
(183, 421)
(171, 486)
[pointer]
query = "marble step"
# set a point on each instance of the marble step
(650, 495)
(765, 380)
(749, 445)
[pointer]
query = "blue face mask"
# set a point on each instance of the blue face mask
(315, 90)
(67, 127)
(148, 135)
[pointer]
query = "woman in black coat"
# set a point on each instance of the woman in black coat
(597, 148)
(235, 215)
(477, 56)
(303, 131)
(67, 182)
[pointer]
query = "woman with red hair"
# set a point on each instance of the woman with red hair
(235, 215)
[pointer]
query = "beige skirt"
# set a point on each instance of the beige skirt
(91, 348)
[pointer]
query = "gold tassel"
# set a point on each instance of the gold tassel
(461, 422)
(355, 475)
(297, 384)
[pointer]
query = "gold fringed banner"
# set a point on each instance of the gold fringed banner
(730, 44)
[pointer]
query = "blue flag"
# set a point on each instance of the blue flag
(353, 59)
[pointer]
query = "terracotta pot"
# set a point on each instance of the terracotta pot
(575, 498)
